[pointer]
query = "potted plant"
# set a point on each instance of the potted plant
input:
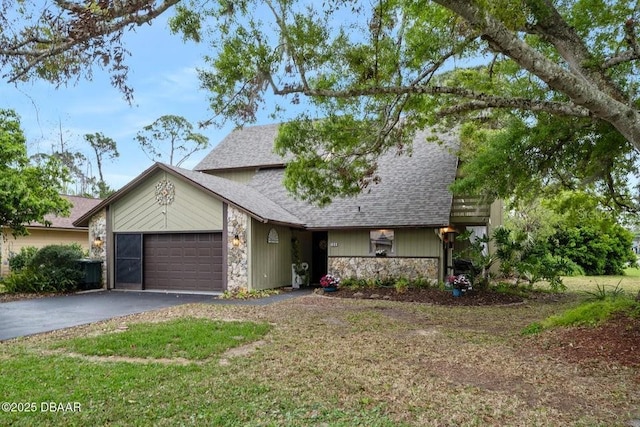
(329, 283)
(459, 284)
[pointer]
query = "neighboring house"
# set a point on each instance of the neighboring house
(230, 223)
(61, 231)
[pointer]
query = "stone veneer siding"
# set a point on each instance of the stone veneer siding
(237, 256)
(98, 228)
(383, 267)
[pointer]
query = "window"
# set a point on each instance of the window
(272, 237)
(478, 233)
(382, 242)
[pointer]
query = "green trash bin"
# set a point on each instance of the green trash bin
(91, 273)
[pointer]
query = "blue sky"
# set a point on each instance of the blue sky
(163, 75)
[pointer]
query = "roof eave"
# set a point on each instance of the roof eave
(242, 168)
(372, 226)
(83, 221)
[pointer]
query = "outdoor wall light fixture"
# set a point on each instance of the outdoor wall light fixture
(236, 240)
(98, 242)
(448, 234)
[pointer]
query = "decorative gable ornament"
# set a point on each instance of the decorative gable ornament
(165, 192)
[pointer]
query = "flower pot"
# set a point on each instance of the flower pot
(457, 292)
(330, 289)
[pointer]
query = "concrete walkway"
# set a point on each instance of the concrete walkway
(34, 316)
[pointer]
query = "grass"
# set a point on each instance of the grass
(324, 361)
(592, 312)
(632, 272)
(600, 298)
(186, 338)
(630, 281)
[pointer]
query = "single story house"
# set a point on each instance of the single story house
(230, 223)
(60, 232)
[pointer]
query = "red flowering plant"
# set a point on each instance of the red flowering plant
(460, 282)
(329, 281)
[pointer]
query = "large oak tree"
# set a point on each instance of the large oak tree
(548, 90)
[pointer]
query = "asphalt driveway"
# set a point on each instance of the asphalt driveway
(27, 317)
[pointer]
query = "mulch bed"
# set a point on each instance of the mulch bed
(617, 340)
(429, 296)
(5, 297)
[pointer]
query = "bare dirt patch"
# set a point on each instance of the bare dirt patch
(242, 351)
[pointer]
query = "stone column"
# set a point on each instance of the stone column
(237, 249)
(98, 229)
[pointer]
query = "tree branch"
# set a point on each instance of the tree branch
(86, 27)
(552, 27)
(631, 54)
(480, 100)
(558, 108)
(579, 88)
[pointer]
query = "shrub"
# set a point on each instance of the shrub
(53, 268)
(20, 260)
(602, 293)
(27, 281)
(355, 284)
(598, 251)
(529, 259)
(422, 283)
(401, 285)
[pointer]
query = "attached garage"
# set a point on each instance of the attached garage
(167, 237)
(169, 261)
(183, 262)
(176, 230)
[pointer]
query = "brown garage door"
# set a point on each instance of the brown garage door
(183, 262)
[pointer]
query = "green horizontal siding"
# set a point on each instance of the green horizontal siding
(409, 242)
(191, 210)
(241, 176)
(417, 242)
(348, 243)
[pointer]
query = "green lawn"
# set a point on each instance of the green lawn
(186, 338)
(322, 361)
(630, 281)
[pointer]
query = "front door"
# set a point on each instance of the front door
(319, 255)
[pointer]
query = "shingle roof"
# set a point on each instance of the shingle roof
(81, 205)
(413, 191)
(242, 148)
(243, 196)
